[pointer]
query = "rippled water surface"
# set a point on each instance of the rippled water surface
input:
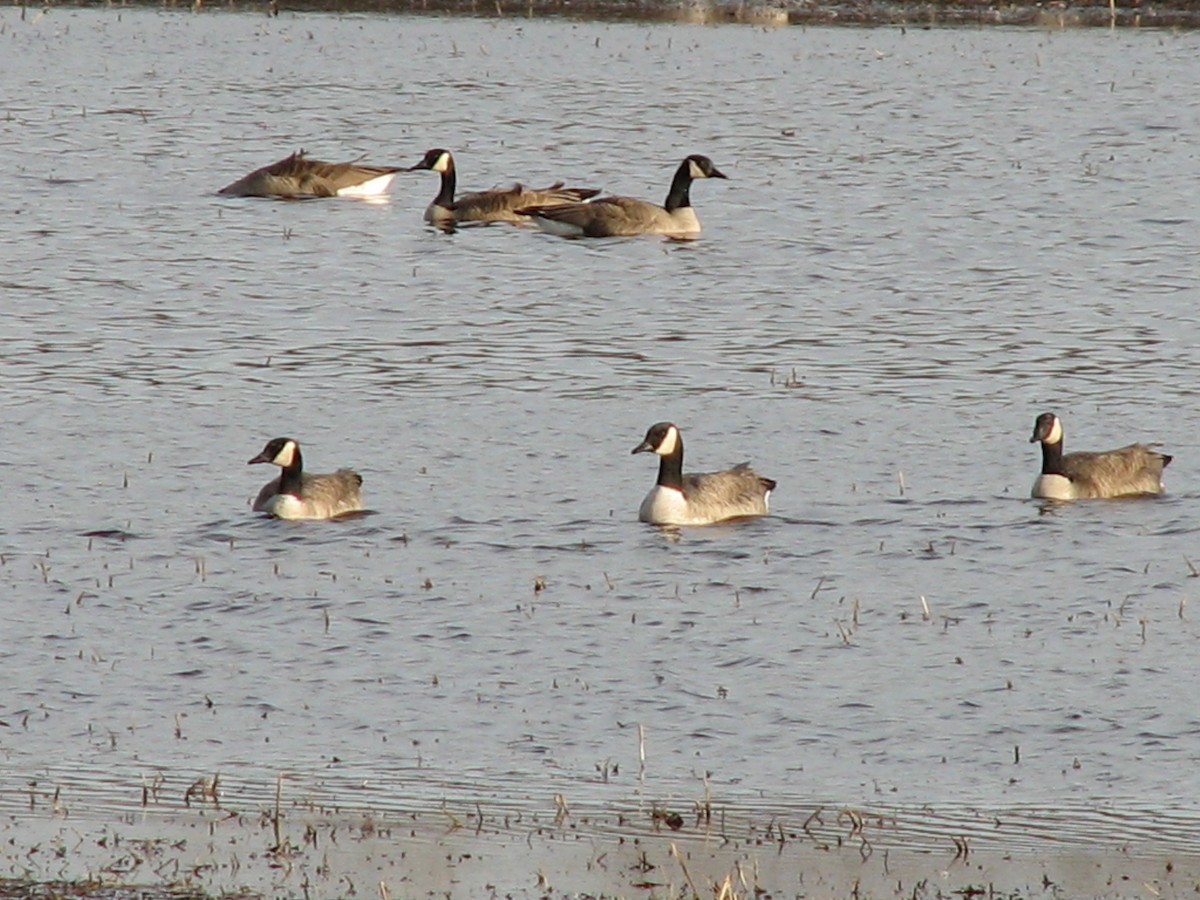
(927, 238)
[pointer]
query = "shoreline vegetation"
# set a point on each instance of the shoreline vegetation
(224, 838)
(769, 13)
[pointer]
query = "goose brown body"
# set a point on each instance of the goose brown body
(1134, 469)
(495, 205)
(297, 494)
(619, 216)
(297, 176)
(698, 498)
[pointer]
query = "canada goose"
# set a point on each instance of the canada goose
(296, 494)
(1136, 469)
(697, 499)
(623, 216)
(496, 205)
(297, 176)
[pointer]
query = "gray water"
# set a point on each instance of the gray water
(927, 238)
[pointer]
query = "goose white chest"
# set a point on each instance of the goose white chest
(665, 506)
(682, 222)
(1053, 487)
(287, 506)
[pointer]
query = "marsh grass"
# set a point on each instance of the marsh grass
(88, 889)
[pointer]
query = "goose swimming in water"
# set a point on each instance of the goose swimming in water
(697, 499)
(496, 205)
(1136, 469)
(625, 216)
(298, 177)
(296, 494)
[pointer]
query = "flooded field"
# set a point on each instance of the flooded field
(909, 678)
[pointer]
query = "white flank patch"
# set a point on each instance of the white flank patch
(374, 187)
(562, 229)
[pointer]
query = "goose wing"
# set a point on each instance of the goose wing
(334, 493)
(609, 217)
(299, 176)
(328, 179)
(505, 204)
(1136, 469)
(739, 491)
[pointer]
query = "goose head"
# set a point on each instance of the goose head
(702, 167)
(1047, 429)
(662, 439)
(281, 452)
(436, 160)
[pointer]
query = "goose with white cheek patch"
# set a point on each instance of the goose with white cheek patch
(296, 494)
(496, 205)
(297, 177)
(1136, 469)
(697, 499)
(627, 216)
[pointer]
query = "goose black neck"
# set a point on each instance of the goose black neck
(670, 467)
(290, 477)
(1052, 455)
(445, 196)
(679, 195)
